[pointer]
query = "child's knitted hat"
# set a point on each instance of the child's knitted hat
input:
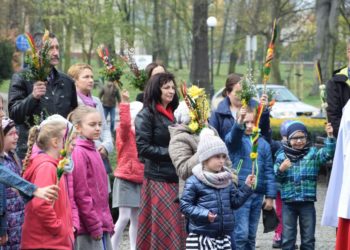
(294, 127)
(210, 145)
(284, 127)
(182, 114)
(7, 125)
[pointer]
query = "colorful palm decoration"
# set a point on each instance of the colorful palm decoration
(37, 59)
(111, 71)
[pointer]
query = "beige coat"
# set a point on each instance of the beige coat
(183, 152)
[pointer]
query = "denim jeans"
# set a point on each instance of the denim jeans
(111, 112)
(247, 221)
(306, 213)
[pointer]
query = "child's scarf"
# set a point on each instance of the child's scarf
(295, 154)
(215, 180)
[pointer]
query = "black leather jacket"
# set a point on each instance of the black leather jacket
(152, 140)
(26, 111)
(338, 94)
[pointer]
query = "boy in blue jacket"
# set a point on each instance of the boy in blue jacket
(296, 168)
(239, 144)
(210, 196)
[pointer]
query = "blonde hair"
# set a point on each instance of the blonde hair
(41, 135)
(75, 70)
(78, 114)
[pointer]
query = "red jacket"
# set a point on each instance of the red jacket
(47, 225)
(129, 167)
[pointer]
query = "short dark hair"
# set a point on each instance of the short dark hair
(231, 81)
(150, 67)
(153, 91)
(38, 38)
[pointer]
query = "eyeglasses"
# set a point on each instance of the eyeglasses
(298, 139)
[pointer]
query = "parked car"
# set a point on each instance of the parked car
(287, 105)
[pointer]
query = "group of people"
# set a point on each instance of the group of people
(180, 187)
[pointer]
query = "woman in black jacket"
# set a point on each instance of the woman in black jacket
(160, 223)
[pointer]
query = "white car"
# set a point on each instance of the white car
(287, 105)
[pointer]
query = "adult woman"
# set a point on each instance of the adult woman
(223, 118)
(84, 81)
(160, 219)
(151, 70)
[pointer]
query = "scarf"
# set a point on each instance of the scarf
(215, 180)
(168, 112)
(295, 154)
(87, 99)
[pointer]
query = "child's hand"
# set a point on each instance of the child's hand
(242, 114)
(285, 165)
(211, 216)
(3, 239)
(125, 96)
(250, 180)
(268, 204)
(49, 193)
(264, 100)
(329, 130)
(99, 237)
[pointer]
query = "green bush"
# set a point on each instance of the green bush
(6, 52)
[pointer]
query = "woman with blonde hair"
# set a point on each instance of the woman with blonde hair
(83, 76)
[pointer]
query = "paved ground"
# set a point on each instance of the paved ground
(325, 236)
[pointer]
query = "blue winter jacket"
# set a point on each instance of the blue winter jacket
(198, 199)
(239, 147)
(222, 120)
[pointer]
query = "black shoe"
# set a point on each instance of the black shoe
(277, 244)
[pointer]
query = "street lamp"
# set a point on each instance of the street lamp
(211, 23)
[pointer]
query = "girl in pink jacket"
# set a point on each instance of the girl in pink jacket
(128, 174)
(88, 184)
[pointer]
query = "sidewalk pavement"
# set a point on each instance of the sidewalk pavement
(325, 236)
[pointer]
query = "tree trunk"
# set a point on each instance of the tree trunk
(326, 37)
(200, 64)
(178, 44)
(222, 44)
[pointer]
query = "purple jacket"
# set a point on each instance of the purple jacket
(88, 183)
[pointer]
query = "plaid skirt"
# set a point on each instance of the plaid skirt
(201, 242)
(160, 222)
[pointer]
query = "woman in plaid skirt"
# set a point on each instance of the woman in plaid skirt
(160, 222)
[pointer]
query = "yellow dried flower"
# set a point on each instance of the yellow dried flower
(253, 155)
(62, 163)
(193, 126)
(194, 92)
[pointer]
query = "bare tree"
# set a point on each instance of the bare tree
(327, 12)
(200, 64)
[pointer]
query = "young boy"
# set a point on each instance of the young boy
(210, 196)
(296, 168)
(239, 144)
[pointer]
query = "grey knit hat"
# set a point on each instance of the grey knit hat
(210, 145)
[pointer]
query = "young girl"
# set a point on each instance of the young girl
(14, 202)
(128, 174)
(92, 219)
(47, 225)
(209, 197)
(239, 144)
(296, 168)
